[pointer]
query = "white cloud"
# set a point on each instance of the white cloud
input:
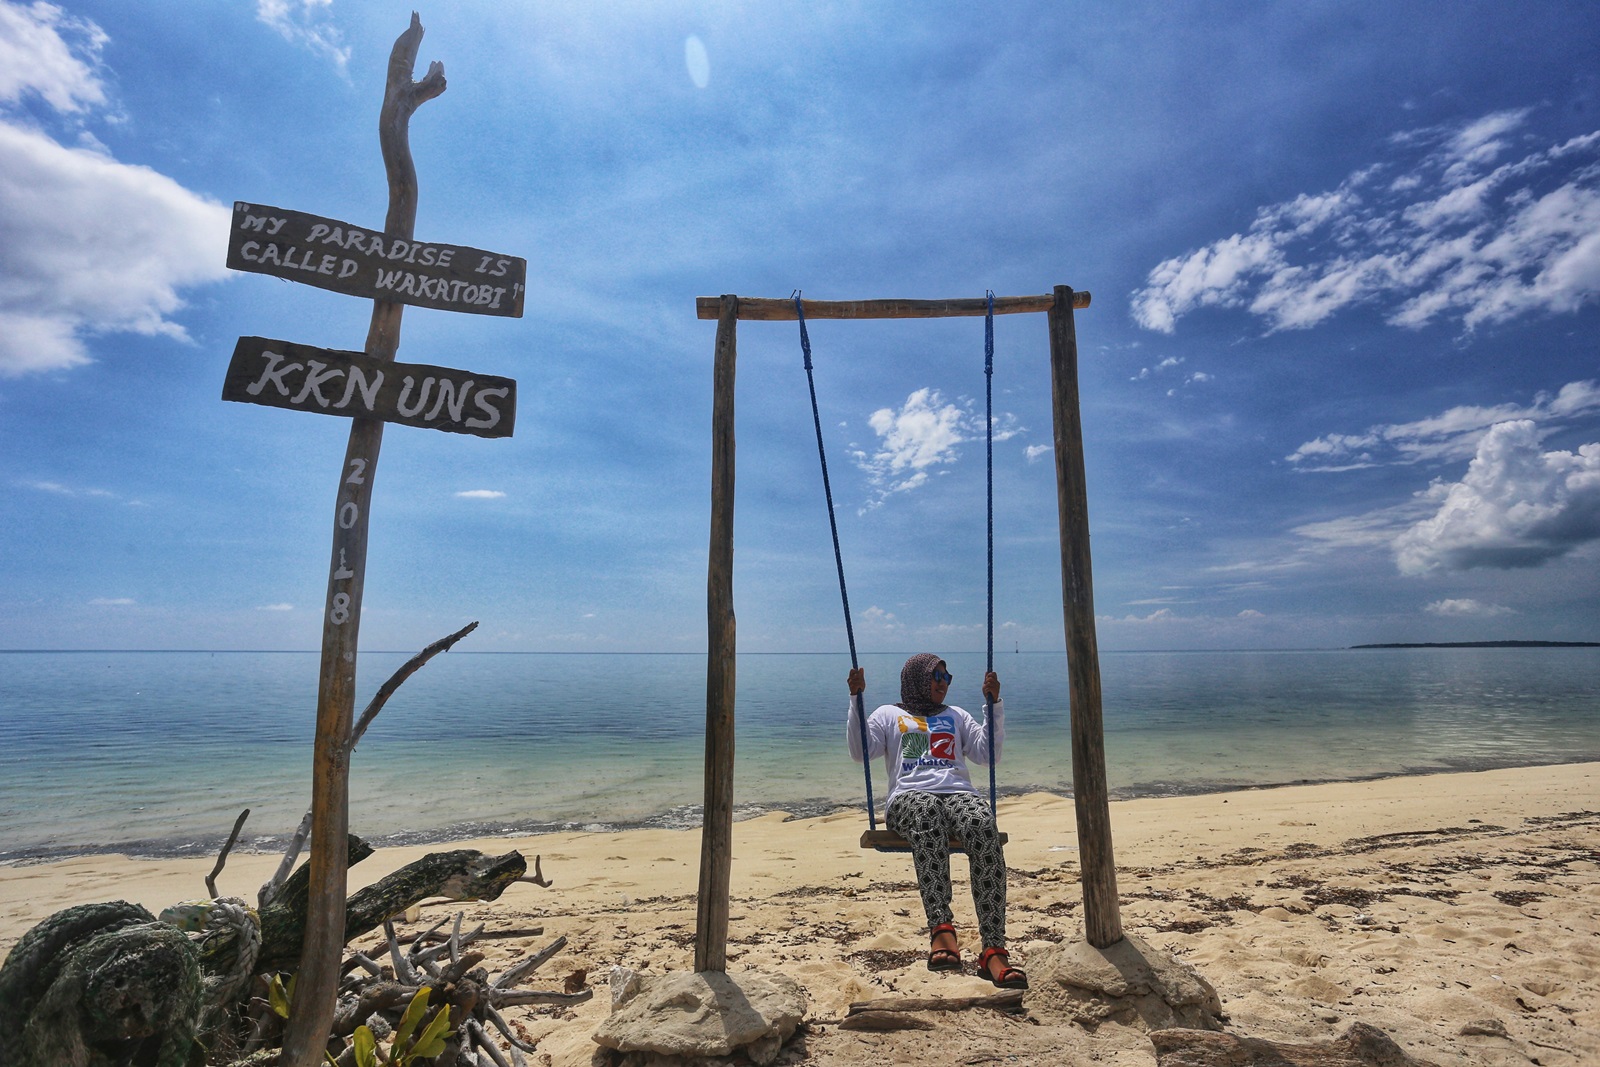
(877, 618)
(87, 245)
(1466, 608)
(481, 494)
(1451, 435)
(918, 439)
(1034, 452)
(306, 23)
(36, 57)
(1453, 234)
(66, 490)
(275, 607)
(111, 601)
(1251, 613)
(1517, 506)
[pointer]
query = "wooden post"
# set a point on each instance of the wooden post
(716, 834)
(1101, 917)
(317, 979)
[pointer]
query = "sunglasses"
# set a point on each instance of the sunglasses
(943, 676)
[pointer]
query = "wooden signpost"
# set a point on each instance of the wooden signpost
(283, 374)
(346, 259)
(393, 269)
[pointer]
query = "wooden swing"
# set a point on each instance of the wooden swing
(874, 838)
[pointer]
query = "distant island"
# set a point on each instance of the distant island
(1486, 644)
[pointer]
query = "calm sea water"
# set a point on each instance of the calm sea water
(155, 753)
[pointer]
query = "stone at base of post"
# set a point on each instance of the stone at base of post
(699, 1014)
(1130, 982)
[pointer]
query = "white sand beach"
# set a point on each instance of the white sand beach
(1460, 913)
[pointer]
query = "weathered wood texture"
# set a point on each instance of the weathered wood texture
(282, 374)
(1102, 919)
(1011, 1001)
(318, 973)
(461, 874)
(770, 309)
(716, 834)
(889, 841)
(347, 259)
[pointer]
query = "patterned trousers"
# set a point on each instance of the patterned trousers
(928, 821)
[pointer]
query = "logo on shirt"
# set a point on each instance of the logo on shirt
(929, 742)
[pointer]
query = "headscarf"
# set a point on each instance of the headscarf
(916, 684)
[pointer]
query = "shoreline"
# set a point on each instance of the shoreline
(1458, 912)
(681, 818)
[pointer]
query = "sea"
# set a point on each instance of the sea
(156, 753)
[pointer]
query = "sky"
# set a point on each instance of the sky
(1339, 375)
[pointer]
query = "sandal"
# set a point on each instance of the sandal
(943, 959)
(1010, 977)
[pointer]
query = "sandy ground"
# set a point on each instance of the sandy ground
(1458, 912)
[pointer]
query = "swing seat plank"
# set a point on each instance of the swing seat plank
(889, 841)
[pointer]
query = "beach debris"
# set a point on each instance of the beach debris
(703, 1013)
(1009, 1001)
(97, 985)
(1130, 982)
(186, 976)
(432, 979)
(884, 1022)
(1361, 1045)
(460, 874)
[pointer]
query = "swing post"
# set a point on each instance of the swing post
(1102, 919)
(716, 832)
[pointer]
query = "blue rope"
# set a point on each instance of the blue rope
(988, 424)
(838, 559)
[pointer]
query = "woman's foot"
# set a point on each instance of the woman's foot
(945, 955)
(993, 965)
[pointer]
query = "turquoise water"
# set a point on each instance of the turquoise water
(156, 752)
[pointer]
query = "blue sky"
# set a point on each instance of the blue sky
(1339, 377)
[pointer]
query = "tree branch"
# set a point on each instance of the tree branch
(222, 857)
(398, 678)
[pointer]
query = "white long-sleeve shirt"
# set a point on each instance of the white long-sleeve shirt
(927, 753)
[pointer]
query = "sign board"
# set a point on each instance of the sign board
(283, 374)
(368, 263)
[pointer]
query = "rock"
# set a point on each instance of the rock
(1484, 1028)
(706, 1013)
(1359, 1046)
(624, 986)
(1130, 982)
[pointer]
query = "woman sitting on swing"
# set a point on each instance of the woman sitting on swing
(925, 744)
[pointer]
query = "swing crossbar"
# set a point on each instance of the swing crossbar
(889, 841)
(769, 309)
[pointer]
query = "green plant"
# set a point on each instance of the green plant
(280, 996)
(410, 1047)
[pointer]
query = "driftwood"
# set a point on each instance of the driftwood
(884, 1021)
(222, 857)
(463, 874)
(1011, 1001)
(450, 972)
(1359, 1046)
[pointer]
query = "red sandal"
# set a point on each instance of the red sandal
(1010, 977)
(943, 959)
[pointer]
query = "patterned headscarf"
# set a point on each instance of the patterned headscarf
(916, 684)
